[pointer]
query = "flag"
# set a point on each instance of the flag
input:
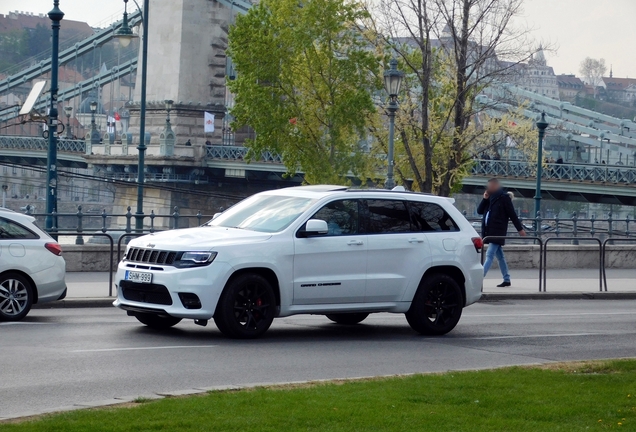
(209, 122)
(117, 116)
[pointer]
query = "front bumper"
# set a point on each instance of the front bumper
(206, 283)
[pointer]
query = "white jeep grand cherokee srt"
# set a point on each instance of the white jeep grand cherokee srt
(331, 250)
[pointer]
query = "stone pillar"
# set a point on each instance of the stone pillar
(187, 42)
(166, 142)
(126, 140)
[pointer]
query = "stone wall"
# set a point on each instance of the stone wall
(89, 258)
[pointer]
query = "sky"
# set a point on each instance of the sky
(575, 28)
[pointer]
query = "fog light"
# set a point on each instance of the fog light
(190, 301)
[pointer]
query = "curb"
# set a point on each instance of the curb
(97, 302)
(491, 297)
(105, 302)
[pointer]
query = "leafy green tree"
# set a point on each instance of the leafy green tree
(305, 79)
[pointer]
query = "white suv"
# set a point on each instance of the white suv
(31, 266)
(330, 250)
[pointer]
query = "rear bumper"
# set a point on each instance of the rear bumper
(50, 283)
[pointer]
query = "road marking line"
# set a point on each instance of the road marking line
(143, 348)
(22, 323)
(540, 336)
(556, 314)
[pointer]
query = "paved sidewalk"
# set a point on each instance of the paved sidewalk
(92, 285)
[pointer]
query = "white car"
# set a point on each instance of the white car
(31, 266)
(330, 250)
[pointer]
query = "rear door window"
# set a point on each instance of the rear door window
(386, 216)
(430, 217)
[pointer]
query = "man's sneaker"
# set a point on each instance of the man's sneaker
(504, 284)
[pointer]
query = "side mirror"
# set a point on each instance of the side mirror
(216, 215)
(315, 227)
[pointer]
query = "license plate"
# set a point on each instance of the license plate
(139, 277)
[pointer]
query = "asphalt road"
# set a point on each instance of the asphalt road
(63, 357)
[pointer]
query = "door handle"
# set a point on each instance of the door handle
(416, 240)
(354, 242)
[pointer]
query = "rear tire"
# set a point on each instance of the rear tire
(348, 318)
(437, 305)
(158, 322)
(16, 297)
(246, 308)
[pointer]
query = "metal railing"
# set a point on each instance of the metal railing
(525, 239)
(101, 222)
(238, 153)
(574, 226)
(11, 142)
(580, 172)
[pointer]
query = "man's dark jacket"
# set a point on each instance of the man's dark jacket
(500, 207)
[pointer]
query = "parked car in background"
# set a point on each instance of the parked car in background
(31, 266)
(329, 250)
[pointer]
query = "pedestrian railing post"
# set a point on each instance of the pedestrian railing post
(610, 225)
(627, 226)
(128, 218)
(200, 216)
(538, 225)
(575, 230)
(175, 216)
(79, 240)
(558, 227)
(152, 221)
(104, 216)
(592, 220)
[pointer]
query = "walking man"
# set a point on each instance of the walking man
(496, 209)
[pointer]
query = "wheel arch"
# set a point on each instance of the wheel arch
(27, 277)
(452, 271)
(265, 272)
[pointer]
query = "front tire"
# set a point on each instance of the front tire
(348, 318)
(16, 297)
(158, 322)
(246, 308)
(437, 305)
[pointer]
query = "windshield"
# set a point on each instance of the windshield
(264, 213)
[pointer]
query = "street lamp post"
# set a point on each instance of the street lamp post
(168, 103)
(55, 15)
(68, 110)
(94, 136)
(542, 125)
(125, 35)
(392, 83)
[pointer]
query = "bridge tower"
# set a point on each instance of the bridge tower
(187, 64)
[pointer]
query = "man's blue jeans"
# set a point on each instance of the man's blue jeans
(496, 250)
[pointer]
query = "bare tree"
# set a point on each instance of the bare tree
(592, 71)
(451, 50)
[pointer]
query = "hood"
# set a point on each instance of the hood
(199, 238)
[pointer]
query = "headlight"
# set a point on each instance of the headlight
(194, 259)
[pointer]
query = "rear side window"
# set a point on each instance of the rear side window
(12, 230)
(386, 217)
(430, 217)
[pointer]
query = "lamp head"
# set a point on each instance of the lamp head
(168, 103)
(393, 79)
(68, 110)
(125, 34)
(93, 106)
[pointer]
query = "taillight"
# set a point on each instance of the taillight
(478, 243)
(54, 248)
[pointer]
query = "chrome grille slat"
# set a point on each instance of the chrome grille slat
(150, 256)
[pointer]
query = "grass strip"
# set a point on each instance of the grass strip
(558, 397)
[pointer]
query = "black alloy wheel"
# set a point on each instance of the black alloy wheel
(246, 308)
(437, 305)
